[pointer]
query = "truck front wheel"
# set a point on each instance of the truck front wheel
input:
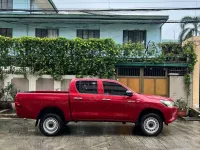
(151, 124)
(51, 124)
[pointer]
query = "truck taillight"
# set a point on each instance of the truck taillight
(17, 103)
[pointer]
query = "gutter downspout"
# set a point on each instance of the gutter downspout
(53, 5)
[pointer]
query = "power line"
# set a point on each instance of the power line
(82, 2)
(120, 9)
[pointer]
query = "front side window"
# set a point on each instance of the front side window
(86, 34)
(6, 32)
(134, 36)
(51, 33)
(6, 4)
(87, 87)
(111, 88)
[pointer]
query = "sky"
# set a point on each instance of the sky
(169, 31)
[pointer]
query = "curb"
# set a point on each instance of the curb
(191, 118)
(8, 116)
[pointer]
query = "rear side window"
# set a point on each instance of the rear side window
(111, 88)
(87, 87)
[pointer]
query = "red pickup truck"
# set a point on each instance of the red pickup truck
(95, 100)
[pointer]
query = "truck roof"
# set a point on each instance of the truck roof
(93, 79)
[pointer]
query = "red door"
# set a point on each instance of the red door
(85, 100)
(114, 101)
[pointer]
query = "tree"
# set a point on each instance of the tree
(190, 27)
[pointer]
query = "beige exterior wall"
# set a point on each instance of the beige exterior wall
(44, 84)
(65, 84)
(21, 84)
(177, 89)
(33, 83)
(196, 73)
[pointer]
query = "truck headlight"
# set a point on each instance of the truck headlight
(167, 103)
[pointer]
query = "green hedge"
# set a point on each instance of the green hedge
(61, 56)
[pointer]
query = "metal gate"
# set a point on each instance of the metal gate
(144, 80)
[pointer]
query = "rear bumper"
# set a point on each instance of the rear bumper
(171, 114)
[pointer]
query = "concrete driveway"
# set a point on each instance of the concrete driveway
(19, 134)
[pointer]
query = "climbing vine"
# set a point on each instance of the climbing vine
(184, 53)
(59, 56)
(191, 56)
(95, 57)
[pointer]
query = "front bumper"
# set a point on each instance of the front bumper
(171, 114)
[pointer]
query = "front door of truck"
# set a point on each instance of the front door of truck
(114, 101)
(85, 101)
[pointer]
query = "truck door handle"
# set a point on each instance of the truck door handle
(77, 98)
(129, 101)
(106, 99)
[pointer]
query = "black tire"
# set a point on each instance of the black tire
(48, 121)
(137, 126)
(151, 124)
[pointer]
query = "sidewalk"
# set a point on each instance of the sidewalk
(8, 113)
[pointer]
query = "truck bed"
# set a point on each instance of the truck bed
(31, 103)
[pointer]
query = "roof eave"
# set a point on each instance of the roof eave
(64, 16)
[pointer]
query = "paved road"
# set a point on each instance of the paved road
(19, 134)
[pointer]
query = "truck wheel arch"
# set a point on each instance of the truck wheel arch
(47, 110)
(150, 110)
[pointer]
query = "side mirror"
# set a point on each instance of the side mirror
(129, 93)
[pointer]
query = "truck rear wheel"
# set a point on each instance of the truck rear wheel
(151, 124)
(51, 124)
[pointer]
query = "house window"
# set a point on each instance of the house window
(51, 33)
(6, 4)
(86, 34)
(134, 36)
(6, 32)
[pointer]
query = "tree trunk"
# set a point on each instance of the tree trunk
(196, 32)
(196, 29)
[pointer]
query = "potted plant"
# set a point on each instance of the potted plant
(7, 95)
(182, 107)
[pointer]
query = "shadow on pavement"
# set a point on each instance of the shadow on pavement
(97, 130)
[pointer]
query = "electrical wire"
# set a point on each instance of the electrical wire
(94, 10)
(83, 2)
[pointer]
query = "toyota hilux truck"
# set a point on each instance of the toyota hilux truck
(100, 100)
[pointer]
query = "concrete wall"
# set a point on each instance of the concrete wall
(177, 87)
(33, 83)
(22, 84)
(114, 31)
(196, 73)
(65, 84)
(44, 84)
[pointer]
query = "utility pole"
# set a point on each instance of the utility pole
(174, 34)
(109, 4)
